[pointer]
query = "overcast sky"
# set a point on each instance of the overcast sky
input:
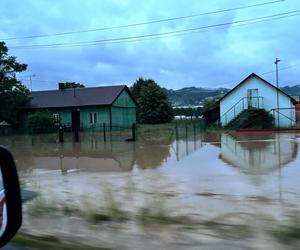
(220, 57)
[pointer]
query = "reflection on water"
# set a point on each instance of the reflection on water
(212, 189)
(258, 154)
(92, 154)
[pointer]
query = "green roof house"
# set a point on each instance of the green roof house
(85, 107)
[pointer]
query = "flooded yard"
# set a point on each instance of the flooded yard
(204, 190)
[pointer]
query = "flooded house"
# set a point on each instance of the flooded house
(255, 92)
(85, 107)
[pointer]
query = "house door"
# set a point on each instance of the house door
(75, 119)
(252, 97)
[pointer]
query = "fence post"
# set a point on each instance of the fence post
(61, 134)
(136, 131)
(195, 137)
(104, 132)
(76, 135)
(186, 130)
(133, 132)
(176, 130)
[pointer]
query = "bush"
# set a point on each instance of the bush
(41, 122)
(252, 119)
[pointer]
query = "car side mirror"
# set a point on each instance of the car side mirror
(10, 198)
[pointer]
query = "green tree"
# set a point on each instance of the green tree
(183, 111)
(153, 104)
(187, 111)
(73, 85)
(41, 121)
(209, 104)
(13, 94)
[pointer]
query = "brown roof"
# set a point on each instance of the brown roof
(255, 75)
(78, 97)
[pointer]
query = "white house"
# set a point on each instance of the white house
(255, 92)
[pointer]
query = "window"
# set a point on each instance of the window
(56, 117)
(93, 118)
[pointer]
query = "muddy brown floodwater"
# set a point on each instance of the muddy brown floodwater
(211, 190)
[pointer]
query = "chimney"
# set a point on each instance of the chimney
(61, 86)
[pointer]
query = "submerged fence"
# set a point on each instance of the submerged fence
(185, 129)
(105, 131)
(176, 130)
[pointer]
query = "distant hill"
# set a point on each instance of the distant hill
(292, 90)
(193, 95)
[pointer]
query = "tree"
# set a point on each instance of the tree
(209, 104)
(41, 121)
(153, 104)
(187, 111)
(73, 85)
(13, 94)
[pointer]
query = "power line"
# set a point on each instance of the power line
(283, 68)
(143, 23)
(162, 34)
(237, 80)
(176, 35)
(264, 73)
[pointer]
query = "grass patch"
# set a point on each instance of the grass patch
(229, 230)
(70, 210)
(149, 215)
(158, 133)
(288, 230)
(154, 212)
(27, 241)
(111, 211)
(41, 206)
(115, 214)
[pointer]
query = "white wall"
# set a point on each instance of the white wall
(268, 102)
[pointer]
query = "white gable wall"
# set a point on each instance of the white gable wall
(268, 102)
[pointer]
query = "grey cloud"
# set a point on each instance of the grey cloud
(215, 58)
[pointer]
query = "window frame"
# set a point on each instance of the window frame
(56, 117)
(93, 117)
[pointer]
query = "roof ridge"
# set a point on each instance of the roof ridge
(262, 79)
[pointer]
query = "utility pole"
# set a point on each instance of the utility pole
(276, 63)
(30, 79)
